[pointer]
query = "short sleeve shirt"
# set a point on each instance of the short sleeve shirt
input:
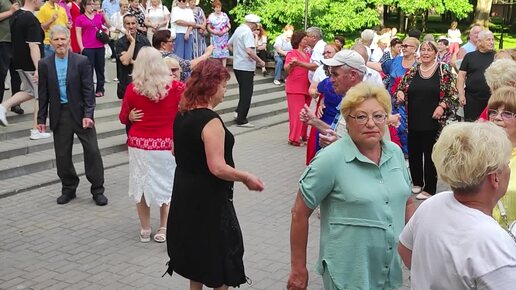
(282, 42)
(124, 71)
(185, 14)
(89, 30)
(242, 39)
(5, 31)
(475, 64)
(45, 14)
(362, 213)
(25, 28)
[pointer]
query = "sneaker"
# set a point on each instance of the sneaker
(3, 118)
(113, 60)
(416, 189)
(100, 199)
(235, 115)
(423, 195)
(246, 125)
(276, 82)
(116, 80)
(36, 135)
(17, 109)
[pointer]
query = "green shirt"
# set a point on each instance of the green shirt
(362, 213)
(5, 29)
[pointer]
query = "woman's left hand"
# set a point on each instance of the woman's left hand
(187, 36)
(438, 113)
(135, 115)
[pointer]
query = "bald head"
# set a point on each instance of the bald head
(473, 33)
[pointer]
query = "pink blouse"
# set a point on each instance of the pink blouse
(89, 30)
(297, 80)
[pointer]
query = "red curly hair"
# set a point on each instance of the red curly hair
(203, 84)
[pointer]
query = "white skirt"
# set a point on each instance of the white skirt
(151, 174)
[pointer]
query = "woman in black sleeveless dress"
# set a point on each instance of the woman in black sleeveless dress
(204, 240)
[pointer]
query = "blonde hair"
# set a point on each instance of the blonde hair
(502, 72)
(466, 153)
(362, 92)
(170, 61)
(503, 97)
(511, 52)
(414, 41)
(151, 76)
(122, 2)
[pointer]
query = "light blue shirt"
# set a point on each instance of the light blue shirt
(61, 68)
(242, 39)
(362, 213)
(110, 7)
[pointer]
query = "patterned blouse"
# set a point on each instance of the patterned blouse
(140, 18)
(447, 90)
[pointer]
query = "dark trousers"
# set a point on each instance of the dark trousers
(111, 44)
(6, 65)
(422, 168)
(245, 81)
(473, 108)
(98, 63)
(63, 143)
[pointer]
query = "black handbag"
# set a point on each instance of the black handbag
(102, 36)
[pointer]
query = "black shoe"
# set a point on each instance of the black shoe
(17, 109)
(65, 198)
(100, 199)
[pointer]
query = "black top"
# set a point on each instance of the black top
(25, 27)
(123, 72)
(422, 99)
(204, 240)
(475, 64)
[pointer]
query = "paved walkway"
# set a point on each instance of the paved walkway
(83, 246)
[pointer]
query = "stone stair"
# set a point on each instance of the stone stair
(28, 164)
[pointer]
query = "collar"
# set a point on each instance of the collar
(351, 151)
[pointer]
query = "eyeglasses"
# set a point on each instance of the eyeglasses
(332, 69)
(506, 115)
(361, 119)
(407, 45)
(174, 69)
(181, 1)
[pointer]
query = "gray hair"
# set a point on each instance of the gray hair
(367, 36)
(484, 33)
(315, 31)
(59, 29)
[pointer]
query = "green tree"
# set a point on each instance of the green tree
(414, 8)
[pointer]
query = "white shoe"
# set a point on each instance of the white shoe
(423, 195)
(416, 189)
(116, 80)
(3, 118)
(235, 115)
(276, 82)
(246, 125)
(36, 135)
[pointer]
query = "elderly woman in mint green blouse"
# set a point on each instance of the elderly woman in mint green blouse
(363, 187)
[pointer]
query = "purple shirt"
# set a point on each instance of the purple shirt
(62, 3)
(89, 30)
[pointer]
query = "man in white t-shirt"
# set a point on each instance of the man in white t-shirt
(317, 43)
(244, 64)
(452, 242)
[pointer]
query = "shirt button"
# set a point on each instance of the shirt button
(381, 181)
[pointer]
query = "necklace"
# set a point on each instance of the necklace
(427, 69)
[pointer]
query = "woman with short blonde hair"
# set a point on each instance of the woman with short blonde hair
(502, 72)
(150, 105)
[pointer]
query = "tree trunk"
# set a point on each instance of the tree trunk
(424, 21)
(401, 18)
(482, 12)
(380, 10)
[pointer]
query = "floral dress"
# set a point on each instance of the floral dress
(220, 43)
(198, 40)
(140, 18)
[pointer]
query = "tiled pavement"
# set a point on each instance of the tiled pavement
(83, 246)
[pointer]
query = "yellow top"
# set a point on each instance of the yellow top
(45, 14)
(509, 199)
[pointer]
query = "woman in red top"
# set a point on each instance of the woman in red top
(297, 65)
(75, 11)
(151, 102)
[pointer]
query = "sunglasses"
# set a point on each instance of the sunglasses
(181, 1)
(407, 45)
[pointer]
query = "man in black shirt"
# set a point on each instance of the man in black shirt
(27, 42)
(475, 95)
(127, 48)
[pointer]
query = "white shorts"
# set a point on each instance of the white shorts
(28, 84)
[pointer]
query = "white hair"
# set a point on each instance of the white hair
(151, 76)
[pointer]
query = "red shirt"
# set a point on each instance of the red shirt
(154, 130)
(297, 80)
(484, 116)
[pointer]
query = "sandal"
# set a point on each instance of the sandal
(145, 235)
(161, 235)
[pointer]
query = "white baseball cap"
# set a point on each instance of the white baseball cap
(349, 58)
(252, 18)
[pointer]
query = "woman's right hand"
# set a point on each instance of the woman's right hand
(135, 115)
(400, 96)
(253, 182)
(298, 279)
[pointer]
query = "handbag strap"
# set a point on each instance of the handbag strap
(503, 213)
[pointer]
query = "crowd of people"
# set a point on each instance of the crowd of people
(379, 103)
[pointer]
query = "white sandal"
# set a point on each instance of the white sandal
(161, 235)
(145, 235)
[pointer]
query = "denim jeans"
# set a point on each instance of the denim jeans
(182, 47)
(97, 60)
(279, 67)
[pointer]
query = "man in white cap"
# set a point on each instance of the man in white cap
(244, 64)
(347, 68)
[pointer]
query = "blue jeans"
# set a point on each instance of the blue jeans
(47, 50)
(182, 47)
(279, 67)
(97, 60)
